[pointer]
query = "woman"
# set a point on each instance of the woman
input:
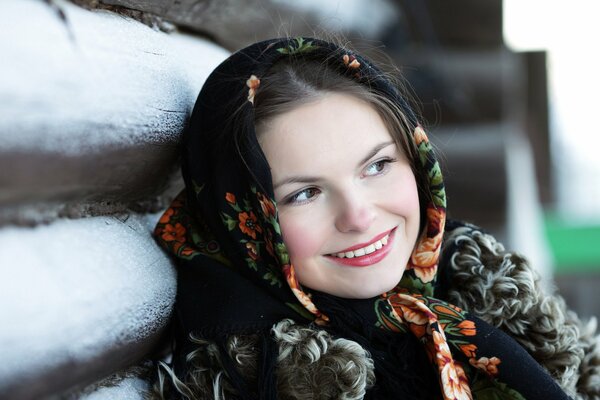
(308, 241)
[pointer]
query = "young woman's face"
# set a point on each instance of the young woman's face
(347, 198)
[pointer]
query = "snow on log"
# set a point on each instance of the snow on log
(80, 299)
(91, 110)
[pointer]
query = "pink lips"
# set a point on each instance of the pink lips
(367, 259)
(361, 245)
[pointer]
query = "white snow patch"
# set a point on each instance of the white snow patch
(128, 389)
(75, 288)
(117, 82)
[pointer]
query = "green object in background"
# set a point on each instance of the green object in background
(575, 245)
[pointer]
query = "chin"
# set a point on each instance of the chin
(370, 291)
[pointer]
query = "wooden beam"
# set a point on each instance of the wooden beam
(90, 112)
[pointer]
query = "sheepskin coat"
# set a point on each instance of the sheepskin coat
(479, 275)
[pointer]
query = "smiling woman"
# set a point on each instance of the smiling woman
(316, 261)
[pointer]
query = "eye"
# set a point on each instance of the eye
(303, 196)
(378, 167)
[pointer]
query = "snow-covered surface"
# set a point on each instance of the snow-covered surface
(88, 109)
(91, 111)
(132, 388)
(75, 289)
(102, 79)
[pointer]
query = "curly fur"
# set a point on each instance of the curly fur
(311, 364)
(504, 290)
(206, 378)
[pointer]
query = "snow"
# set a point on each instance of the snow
(103, 79)
(131, 388)
(74, 289)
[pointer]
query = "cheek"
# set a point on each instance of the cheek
(302, 237)
(409, 202)
(403, 198)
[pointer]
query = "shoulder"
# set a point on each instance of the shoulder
(502, 288)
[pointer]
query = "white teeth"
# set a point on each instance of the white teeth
(369, 249)
(365, 250)
(359, 252)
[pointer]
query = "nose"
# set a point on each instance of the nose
(354, 214)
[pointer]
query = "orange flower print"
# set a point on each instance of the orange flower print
(416, 321)
(437, 220)
(415, 303)
(301, 296)
(420, 135)
(182, 250)
(269, 247)
(409, 309)
(176, 247)
(426, 254)
(267, 206)
(166, 217)
(252, 252)
(253, 83)
(389, 323)
(467, 328)
(230, 197)
(187, 251)
(488, 365)
(305, 300)
(248, 224)
(174, 233)
(455, 385)
(350, 61)
(269, 243)
(413, 316)
(468, 350)
(447, 309)
(439, 339)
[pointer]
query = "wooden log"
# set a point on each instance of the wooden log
(474, 166)
(456, 24)
(80, 299)
(90, 112)
(463, 86)
(236, 23)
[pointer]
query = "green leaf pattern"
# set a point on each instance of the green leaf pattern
(298, 45)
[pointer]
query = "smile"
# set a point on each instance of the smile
(366, 254)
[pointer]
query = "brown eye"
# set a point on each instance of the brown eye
(304, 196)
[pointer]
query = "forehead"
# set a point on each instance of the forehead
(335, 129)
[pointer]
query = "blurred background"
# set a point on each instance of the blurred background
(94, 95)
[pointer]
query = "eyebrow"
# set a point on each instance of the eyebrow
(375, 150)
(313, 179)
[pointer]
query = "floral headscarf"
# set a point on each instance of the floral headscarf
(234, 267)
